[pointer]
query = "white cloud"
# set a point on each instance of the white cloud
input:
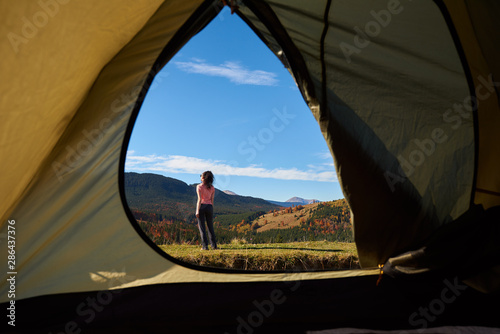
(191, 165)
(230, 70)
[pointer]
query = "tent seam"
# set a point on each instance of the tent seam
(292, 54)
(173, 45)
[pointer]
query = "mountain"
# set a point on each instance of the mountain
(334, 212)
(301, 200)
(175, 199)
(229, 192)
(294, 201)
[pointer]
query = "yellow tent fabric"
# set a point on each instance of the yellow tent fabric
(479, 38)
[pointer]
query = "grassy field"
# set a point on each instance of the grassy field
(288, 219)
(303, 256)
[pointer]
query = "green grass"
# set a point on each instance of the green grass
(303, 256)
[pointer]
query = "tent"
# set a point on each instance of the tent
(406, 96)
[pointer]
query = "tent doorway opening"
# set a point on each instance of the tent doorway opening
(226, 104)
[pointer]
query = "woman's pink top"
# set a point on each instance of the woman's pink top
(205, 193)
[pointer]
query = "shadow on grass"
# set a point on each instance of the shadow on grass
(229, 247)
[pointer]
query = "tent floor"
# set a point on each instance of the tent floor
(263, 307)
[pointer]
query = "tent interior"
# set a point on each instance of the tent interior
(405, 94)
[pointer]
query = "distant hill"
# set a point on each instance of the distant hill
(294, 201)
(164, 208)
(334, 212)
(175, 199)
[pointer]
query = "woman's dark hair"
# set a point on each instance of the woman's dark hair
(208, 179)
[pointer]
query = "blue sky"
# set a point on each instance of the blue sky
(225, 103)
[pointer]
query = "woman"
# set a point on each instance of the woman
(205, 209)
